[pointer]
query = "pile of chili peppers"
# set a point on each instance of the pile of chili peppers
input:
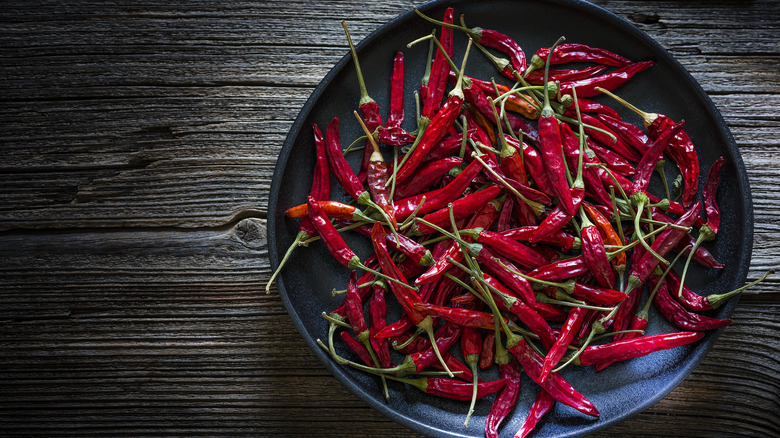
(514, 227)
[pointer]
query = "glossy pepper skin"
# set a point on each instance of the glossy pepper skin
(330, 237)
(635, 347)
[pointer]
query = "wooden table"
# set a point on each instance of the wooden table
(138, 144)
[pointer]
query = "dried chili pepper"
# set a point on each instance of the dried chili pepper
(333, 209)
(568, 330)
(368, 107)
(680, 148)
(608, 234)
(330, 237)
(678, 316)
(452, 389)
(600, 135)
(561, 270)
(462, 208)
(635, 347)
(608, 81)
(561, 239)
(555, 385)
(541, 406)
(426, 175)
(633, 135)
(357, 348)
(576, 52)
(339, 167)
(595, 255)
(646, 167)
(536, 77)
(506, 399)
(377, 311)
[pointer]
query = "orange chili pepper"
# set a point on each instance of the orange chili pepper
(608, 233)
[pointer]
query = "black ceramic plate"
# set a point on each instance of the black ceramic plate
(623, 389)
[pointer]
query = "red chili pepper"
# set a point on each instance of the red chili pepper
(608, 234)
(439, 70)
(635, 347)
(354, 307)
(701, 255)
(536, 77)
(550, 312)
(461, 208)
(460, 370)
(497, 266)
(488, 350)
(339, 167)
(561, 270)
(678, 316)
(395, 116)
(708, 194)
(597, 295)
(479, 101)
(555, 385)
(511, 249)
(377, 312)
(527, 315)
(595, 255)
(680, 148)
(534, 166)
(357, 348)
(645, 168)
(506, 217)
(414, 250)
(568, 330)
(557, 218)
(505, 400)
(542, 405)
(368, 108)
(613, 160)
(550, 147)
(633, 135)
(426, 175)
(575, 52)
(591, 106)
(439, 198)
(330, 236)
(459, 316)
(664, 243)
(608, 81)
(617, 145)
(561, 239)
(453, 389)
(446, 336)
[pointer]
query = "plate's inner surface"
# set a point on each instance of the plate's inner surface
(311, 274)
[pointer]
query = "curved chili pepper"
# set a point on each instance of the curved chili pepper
(497, 266)
(339, 167)
(479, 101)
(395, 116)
(556, 219)
(678, 316)
(458, 315)
(542, 405)
(505, 400)
(555, 385)
(414, 250)
(635, 347)
(550, 147)
(488, 350)
(536, 77)
(646, 167)
(568, 330)
(708, 194)
(596, 295)
(533, 165)
(354, 307)
(701, 255)
(591, 106)
(608, 81)
(426, 175)
(576, 52)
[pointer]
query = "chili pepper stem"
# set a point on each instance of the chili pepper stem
(568, 287)
(641, 200)
(411, 339)
(537, 207)
(647, 118)
(717, 300)
(473, 393)
(427, 325)
(705, 234)
(364, 97)
(356, 264)
(300, 237)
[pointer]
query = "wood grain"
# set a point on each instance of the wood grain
(137, 146)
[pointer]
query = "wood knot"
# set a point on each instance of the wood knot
(644, 17)
(252, 232)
